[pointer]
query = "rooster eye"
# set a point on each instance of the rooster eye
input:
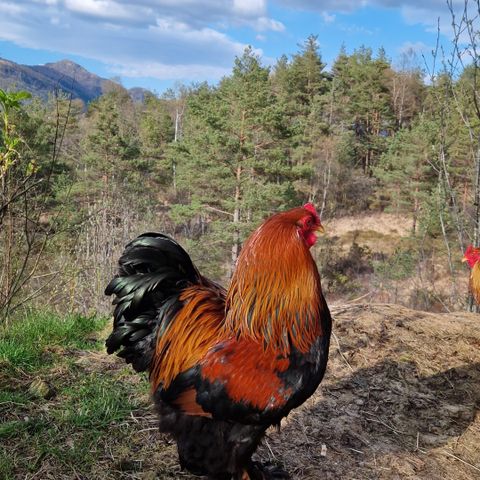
(308, 223)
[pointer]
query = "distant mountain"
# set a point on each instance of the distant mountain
(65, 75)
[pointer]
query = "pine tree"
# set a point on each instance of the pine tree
(407, 177)
(364, 107)
(111, 143)
(303, 91)
(156, 132)
(231, 160)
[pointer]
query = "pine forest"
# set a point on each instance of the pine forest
(393, 143)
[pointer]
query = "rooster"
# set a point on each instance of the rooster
(472, 257)
(225, 365)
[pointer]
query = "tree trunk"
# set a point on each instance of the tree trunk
(236, 220)
(415, 211)
(476, 218)
(326, 184)
(178, 115)
(237, 198)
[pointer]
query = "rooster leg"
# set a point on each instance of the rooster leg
(245, 476)
(249, 473)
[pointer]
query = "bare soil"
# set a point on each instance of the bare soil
(400, 400)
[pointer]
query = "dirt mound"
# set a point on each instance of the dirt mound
(400, 400)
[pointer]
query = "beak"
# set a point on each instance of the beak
(320, 228)
(464, 259)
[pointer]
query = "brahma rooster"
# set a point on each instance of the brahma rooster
(225, 365)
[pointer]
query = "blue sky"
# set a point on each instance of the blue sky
(155, 43)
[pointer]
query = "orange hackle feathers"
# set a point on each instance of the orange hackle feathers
(475, 282)
(190, 334)
(274, 295)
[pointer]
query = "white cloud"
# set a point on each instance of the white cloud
(327, 18)
(249, 7)
(9, 8)
(425, 12)
(441, 21)
(342, 6)
(102, 9)
(264, 23)
(164, 71)
(353, 29)
(165, 39)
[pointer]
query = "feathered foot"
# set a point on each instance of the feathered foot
(263, 471)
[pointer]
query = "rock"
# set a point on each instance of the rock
(41, 389)
(323, 451)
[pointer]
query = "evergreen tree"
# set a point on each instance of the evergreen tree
(365, 107)
(405, 170)
(233, 144)
(111, 142)
(302, 88)
(307, 78)
(156, 132)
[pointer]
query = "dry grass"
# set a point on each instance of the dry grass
(380, 232)
(384, 242)
(381, 223)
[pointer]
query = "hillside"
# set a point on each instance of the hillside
(400, 400)
(65, 75)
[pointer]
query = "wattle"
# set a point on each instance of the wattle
(310, 238)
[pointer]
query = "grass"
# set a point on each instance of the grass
(29, 342)
(96, 402)
(92, 405)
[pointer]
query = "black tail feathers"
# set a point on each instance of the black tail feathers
(153, 270)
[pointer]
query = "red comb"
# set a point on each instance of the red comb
(310, 207)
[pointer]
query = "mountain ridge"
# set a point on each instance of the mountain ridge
(64, 75)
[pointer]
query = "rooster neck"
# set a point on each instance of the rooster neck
(275, 294)
(475, 282)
